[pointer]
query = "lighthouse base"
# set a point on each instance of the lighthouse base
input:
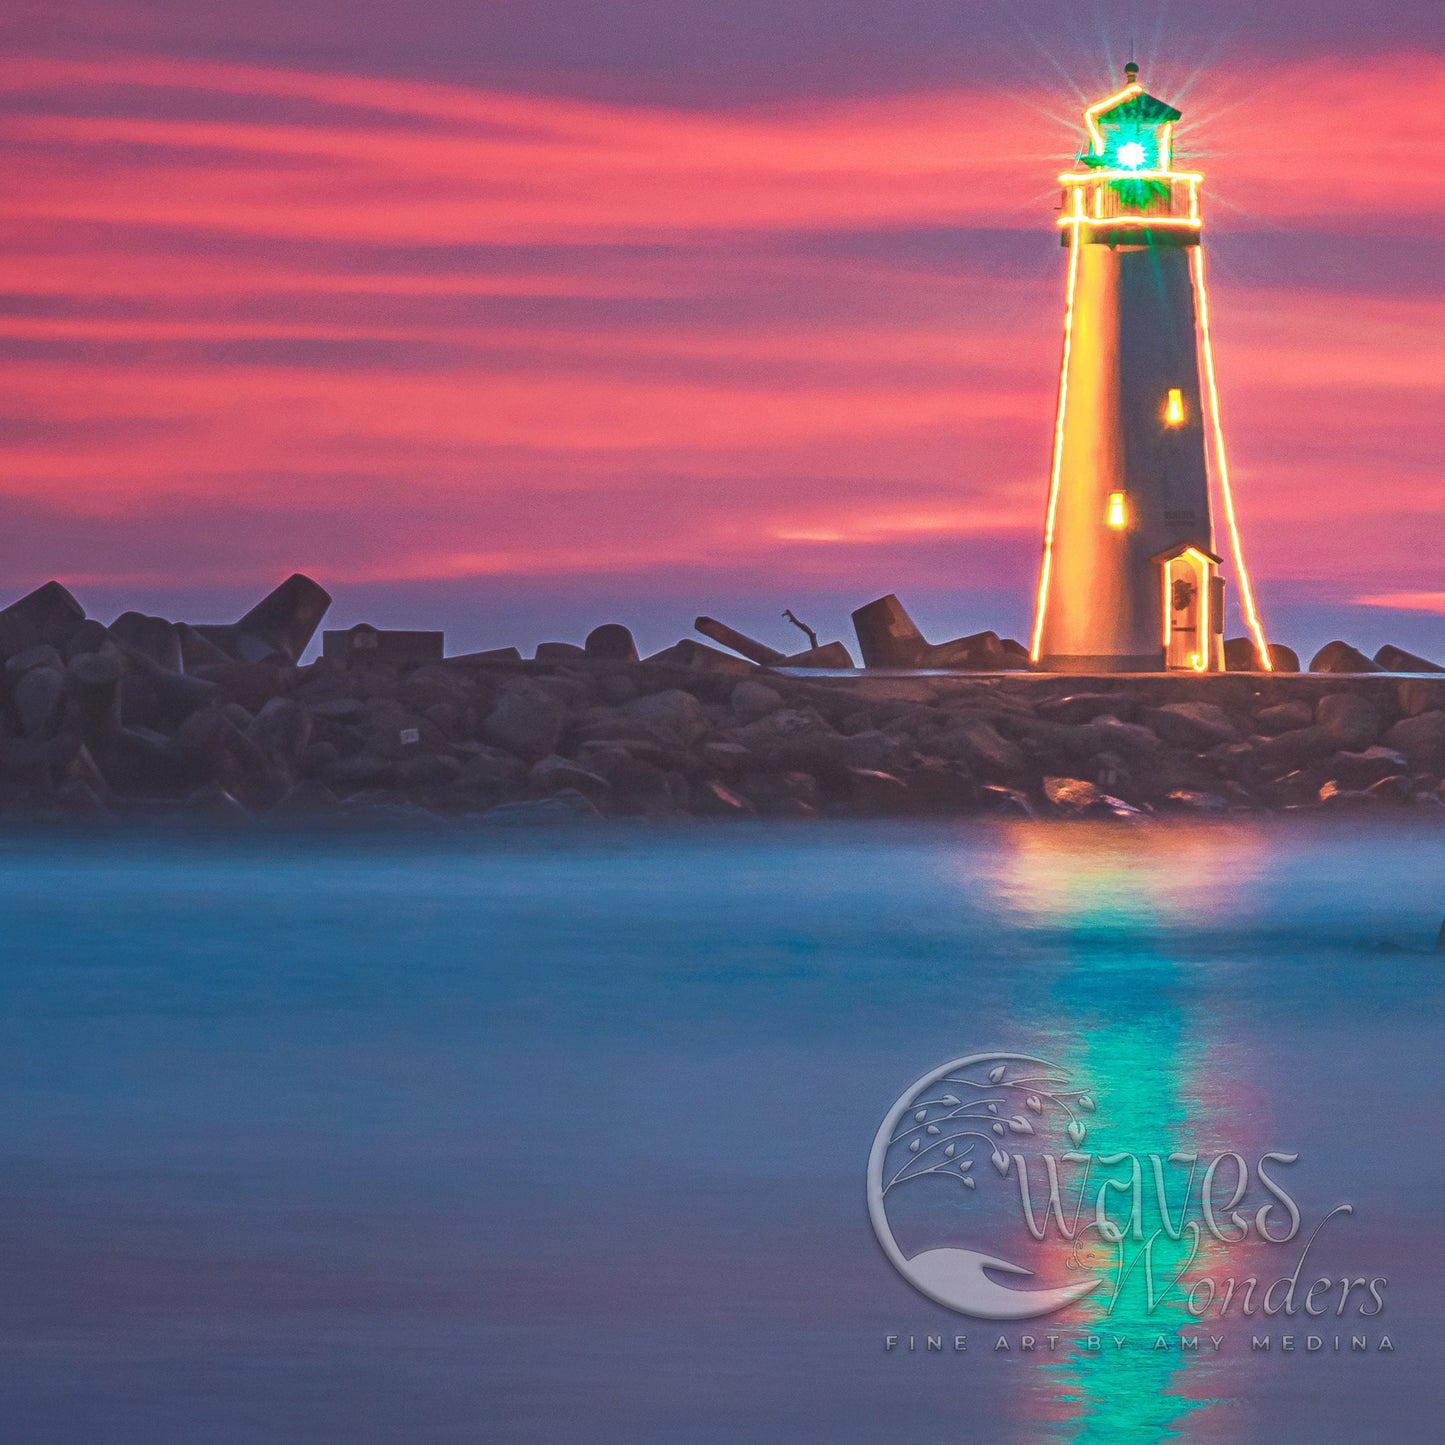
(1107, 662)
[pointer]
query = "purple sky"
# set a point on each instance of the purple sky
(516, 316)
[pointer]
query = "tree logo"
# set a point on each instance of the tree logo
(971, 1112)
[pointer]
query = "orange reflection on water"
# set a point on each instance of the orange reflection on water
(1088, 873)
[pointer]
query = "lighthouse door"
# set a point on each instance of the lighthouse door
(1187, 635)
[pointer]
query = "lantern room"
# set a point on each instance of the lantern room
(1131, 131)
(1126, 190)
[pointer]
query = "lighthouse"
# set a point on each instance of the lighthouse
(1131, 574)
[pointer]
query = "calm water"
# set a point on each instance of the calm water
(541, 1139)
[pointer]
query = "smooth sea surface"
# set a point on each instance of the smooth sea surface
(526, 1136)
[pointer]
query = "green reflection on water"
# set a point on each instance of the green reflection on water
(1114, 1018)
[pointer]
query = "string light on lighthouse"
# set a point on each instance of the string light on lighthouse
(1133, 477)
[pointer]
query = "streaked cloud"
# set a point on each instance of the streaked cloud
(396, 329)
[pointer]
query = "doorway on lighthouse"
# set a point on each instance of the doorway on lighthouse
(1191, 600)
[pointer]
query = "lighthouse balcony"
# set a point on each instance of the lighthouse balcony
(1131, 207)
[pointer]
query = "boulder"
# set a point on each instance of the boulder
(16, 634)
(938, 787)
(1076, 797)
(873, 750)
(1341, 657)
(211, 803)
(874, 792)
(152, 637)
(616, 687)
(754, 651)
(526, 721)
(198, 650)
(979, 652)
(359, 771)
(337, 709)
(1421, 739)
(611, 642)
(286, 619)
(1295, 789)
(176, 695)
(281, 731)
(89, 636)
(251, 684)
(565, 808)
(1335, 799)
(774, 793)
(1284, 717)
(887, 635)
(729, 759)
(428, 770)
(829, 655)
(552, 774)
(1291, 750)
(1129, 740)
(1416, 695)
(366, 646)
(1007, 802)
(671, 717)
(1190, 800)
(41, 655)
(37, 696)
(638, 782)
(1351, 719)
(1082, 707)
(1396, 788)
(983, 748)
(1241, 655)
(491, 768)
(1396, 659)
(25, 765)
(49, 614)
(1197, 726)
(752, 700)
(396, 734)
(1358, 770)
(491, 654)
(714, 799)
(93, 681)
(700, 658)
(140, 761)
(215, 746)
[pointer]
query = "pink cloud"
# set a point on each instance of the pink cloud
(453, 332)
(1406, 601)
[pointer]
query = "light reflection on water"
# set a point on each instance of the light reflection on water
(556, 1137)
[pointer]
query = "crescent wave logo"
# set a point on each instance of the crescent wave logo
(956, 1127)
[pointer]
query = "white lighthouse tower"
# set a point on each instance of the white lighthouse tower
(1130, 579)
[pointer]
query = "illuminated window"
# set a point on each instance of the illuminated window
(1132, 155)
(1118, 513)
(1174, 408)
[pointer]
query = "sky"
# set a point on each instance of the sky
(515, 316)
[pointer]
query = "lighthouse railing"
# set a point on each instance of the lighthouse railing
(1123, 195)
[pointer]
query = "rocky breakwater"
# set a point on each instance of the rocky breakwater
(147, 719)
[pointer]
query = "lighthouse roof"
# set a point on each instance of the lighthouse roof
(1135, 106)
